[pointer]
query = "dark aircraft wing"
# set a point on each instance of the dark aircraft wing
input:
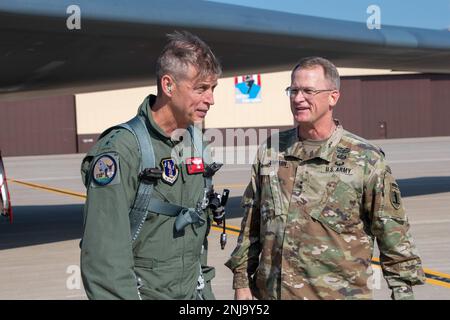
(119, 41)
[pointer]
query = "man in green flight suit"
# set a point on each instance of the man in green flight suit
(161, 258)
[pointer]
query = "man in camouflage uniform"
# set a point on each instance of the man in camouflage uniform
(318, 198)
(164, 261)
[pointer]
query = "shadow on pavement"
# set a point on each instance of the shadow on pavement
(233, 208)
(35, 225)
(423, 185)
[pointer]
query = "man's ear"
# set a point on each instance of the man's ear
(333, 98)
(167, 85)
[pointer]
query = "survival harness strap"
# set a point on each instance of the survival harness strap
(143, 201)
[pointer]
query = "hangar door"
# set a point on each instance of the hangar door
(38, 126)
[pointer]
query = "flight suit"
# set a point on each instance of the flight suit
(162, 263)
(312, 213)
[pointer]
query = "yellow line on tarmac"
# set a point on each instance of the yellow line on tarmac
(227, 231)
(436, 273)
(234, 230)
(57, 190)
(438, 283)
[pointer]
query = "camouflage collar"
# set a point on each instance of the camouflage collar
(307, 149)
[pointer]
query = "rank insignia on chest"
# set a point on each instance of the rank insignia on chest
(105, 170)
(195, 165)
(170, 171)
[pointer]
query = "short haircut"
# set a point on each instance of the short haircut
(330, 71)
(184, 49)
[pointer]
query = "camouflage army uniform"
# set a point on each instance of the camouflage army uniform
(312, 213)
(165, 261)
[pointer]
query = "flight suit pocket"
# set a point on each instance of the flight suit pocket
(144, 263)
(339, 210)
(155, 276)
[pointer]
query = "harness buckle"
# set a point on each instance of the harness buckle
(188, 216)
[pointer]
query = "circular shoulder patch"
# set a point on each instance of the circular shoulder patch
(105, 169)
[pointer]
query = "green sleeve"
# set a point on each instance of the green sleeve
(106, 251)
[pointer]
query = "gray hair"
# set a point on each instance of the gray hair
(330, 71)
(184, 49)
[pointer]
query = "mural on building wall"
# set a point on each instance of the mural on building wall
(248, 88)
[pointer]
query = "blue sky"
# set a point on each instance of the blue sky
(429, 14)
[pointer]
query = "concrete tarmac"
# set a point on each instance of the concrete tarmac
(39, 253)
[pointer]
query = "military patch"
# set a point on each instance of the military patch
(105, 170)
(395, 196)
(170, 171)
(195, 165)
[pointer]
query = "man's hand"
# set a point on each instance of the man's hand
(243, 294)
(402, 293)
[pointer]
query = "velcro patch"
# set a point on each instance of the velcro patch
(195, 165)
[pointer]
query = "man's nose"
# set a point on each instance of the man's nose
(209, 98)
(299, 97)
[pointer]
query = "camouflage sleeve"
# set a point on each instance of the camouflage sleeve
(245, 257)
(399, 257)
